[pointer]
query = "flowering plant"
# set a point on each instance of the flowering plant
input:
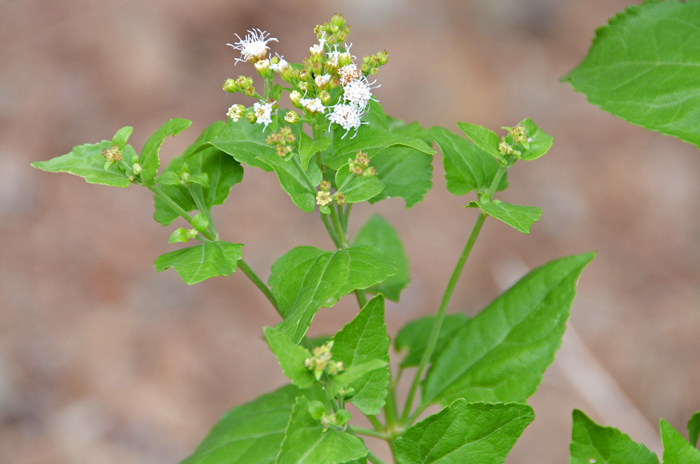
(337, 147)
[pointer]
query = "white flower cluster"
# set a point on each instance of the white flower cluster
(263, 113)
(254, 46)
(357, 92)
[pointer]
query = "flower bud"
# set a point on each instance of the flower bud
(344, 59)
(250, 91)
(250, 117)
(291, 117)
(325, 185)
(295, 97)
(191, 233)
(325, 97)
(136, 168)
(338, 20)
(339, 198)
(323, 199)
(382, 58)
(112, 154)
(230, 86)
(370, 171)
(263, 68)
(365, 69)
(316, 50)
(322, 80)
(236, 112)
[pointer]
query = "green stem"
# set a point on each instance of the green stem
(434, 334)
(373, 458)
(441, 316)
(330, 230)
(368, 432)
(390, 410)
(375, 423)
(175, 207)
(304, 174)
(202, 207)
(338, 228)
(348, 209)
(259, 283)
(361, 297)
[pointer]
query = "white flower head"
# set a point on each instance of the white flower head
(349, 73)
(236, 112)
(346, 116)
(313, 105)
(254, 46)
(316, 50)
(358, 92)
(263, 113)
(323, 80)
(281, 66)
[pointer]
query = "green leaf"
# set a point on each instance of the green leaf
(371, 140)
(414, 336)
(198, 263)
(122, 137)
(251, 433)
(643, 66)
(362, 340)
(179, 236)
(484, 138)
(150, 159)
(293, 181)
(500, 355)
(378, 233)
(87, 162)
(306, 279)
(413, 130)
(465, 433)
(200, 158)
(291, 358)
(694, 429)
(305, 441)
(676, 449)
(592, 443)
(308, 147)
(375, 116)
(246, 143)
(353, 374)
(521, 218)
(540, 142)
(405, 172)
(357, 188)
(467, 167)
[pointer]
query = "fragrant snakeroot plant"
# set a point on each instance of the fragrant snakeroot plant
(317, 126)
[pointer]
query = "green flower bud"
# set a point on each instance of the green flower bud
(291, 117)
(136, 168)
(295, 97)
(250, 117)
(230, 86)
(382, 58)
(325, 97)
(344, 59)
(325, 185)
(339, 198)
(338, 20)
(191, 233)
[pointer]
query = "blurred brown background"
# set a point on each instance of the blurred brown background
(102, 360)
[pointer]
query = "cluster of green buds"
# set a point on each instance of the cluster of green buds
(280, 141)
(241, 84)
(321, 362)
(328, 421)
(360, 165)
(333, 32)
(513, 144)
(324, 196)
(112, 154)
(371, 63)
